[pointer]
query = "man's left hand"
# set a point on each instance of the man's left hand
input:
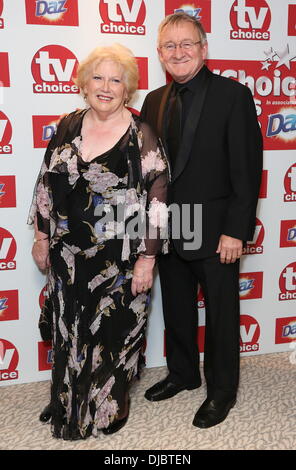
(230, 249)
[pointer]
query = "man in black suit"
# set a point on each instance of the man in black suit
(209, 128)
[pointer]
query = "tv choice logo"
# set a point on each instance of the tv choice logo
(273, 85)
(43, 129)
(7, 191)
(1, 19)
(123, 16)
(249, 334)
(45, 355)
(8, 249)
(291, 20)
(53, 67)
(56, 13)
(9, 359)
(288, 233)
(285, 330)
(290, 184)
(255, 246)
(287, 282)
(200, 9)
(250, 20)
(250, 285)
(9, 305)
(251, 74)
(4, 70)
(5, 134)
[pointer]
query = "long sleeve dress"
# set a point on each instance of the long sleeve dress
(99, 216)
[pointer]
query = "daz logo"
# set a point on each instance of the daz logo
(7, 250)
(250, 19)
(9, 359)
(255, 246)
(123, 16)
(200, 9)
(5, 134)
(290, 184)
(63, 12)
(250, 285)
(7, 191)
(1, 19)
(288, 233)
(285, 330)
(9, 305)
(52, 68)
(43, 129)
(287, 282)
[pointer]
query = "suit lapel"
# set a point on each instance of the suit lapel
(161, 113)
(191, 125)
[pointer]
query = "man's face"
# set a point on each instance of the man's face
(182, 64)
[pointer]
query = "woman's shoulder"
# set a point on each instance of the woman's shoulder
(143, 126)
(66, 118)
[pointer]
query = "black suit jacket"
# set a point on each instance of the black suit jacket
(219, 163)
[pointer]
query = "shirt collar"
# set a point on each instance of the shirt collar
(192, 84)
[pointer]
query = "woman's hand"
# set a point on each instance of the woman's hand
(40, 253)
(142, 275)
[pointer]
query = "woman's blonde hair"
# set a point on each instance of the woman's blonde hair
(118, 54)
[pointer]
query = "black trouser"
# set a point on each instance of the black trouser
(179, 280)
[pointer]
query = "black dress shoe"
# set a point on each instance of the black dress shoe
(45, 414)
(212, 412)
(166, 389)
(117, 424)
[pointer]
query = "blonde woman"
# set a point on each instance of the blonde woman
(103, 172)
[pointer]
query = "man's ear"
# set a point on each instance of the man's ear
(160, 54)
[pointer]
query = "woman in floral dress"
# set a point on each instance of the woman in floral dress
(100, 219)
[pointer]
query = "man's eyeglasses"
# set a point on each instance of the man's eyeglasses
(184, 45)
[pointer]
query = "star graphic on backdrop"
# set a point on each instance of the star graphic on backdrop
(270, 54)
(285, 57)
(265, 65)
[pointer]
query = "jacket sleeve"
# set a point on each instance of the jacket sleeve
(245, 166)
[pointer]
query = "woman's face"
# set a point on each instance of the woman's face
(105, 89)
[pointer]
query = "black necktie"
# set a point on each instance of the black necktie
(174, 130)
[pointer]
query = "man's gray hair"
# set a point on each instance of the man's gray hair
(181, 17)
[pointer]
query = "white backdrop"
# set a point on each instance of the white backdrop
(40, 43)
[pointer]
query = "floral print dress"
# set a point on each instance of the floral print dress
(98, 326)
